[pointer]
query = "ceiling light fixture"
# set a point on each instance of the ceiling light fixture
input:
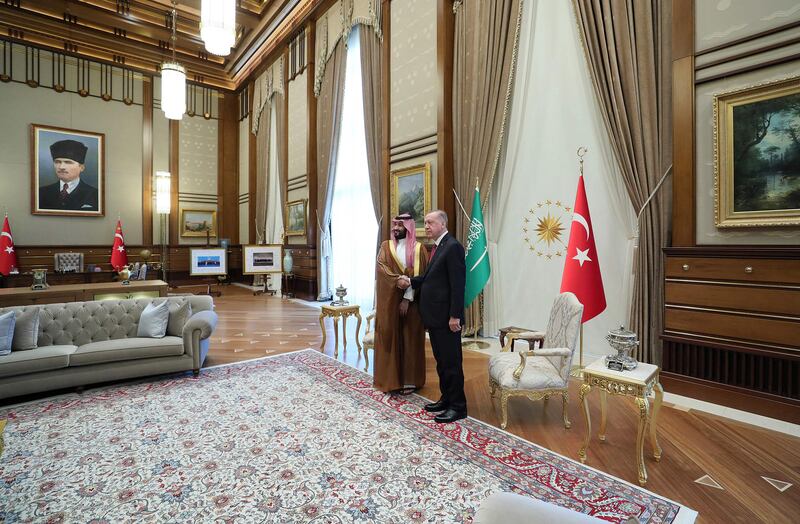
(218, 25)
(173, 78)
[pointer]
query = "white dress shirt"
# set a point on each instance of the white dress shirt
(71, 185)
(401, 254)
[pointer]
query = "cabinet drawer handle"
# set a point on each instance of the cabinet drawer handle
(685, 267)
(748, 269)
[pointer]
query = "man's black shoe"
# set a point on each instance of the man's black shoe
(439, 405)
(450, 415)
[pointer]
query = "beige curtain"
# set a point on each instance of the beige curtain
(262, 172)
(329, 116)
(373, 115)
(628, 54)
(486, 38)
(282, 136)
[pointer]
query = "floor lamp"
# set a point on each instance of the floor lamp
(163, 204)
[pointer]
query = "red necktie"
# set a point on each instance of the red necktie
(433, 251)
(64, 193)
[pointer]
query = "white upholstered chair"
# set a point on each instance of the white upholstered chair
(543, 372)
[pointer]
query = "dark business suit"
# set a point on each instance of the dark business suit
(82, 198)
(441, 296)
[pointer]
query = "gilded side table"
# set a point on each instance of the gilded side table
(335, 312)
(637, 383)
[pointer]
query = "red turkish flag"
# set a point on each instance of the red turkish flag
(119, 257)
(8, 258)
(582, 267)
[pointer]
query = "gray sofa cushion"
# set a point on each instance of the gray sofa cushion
(26, 331)
(7, 322)
(35, 360)
(179, 313)
(153, 321)
(126, 349)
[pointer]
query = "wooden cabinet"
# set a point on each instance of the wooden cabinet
(82, 292)
(732, 327)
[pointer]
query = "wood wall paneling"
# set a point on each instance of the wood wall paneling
(734, 325)
(311, 133)
(682, 29)
(251, 166)
(445, 34)
(147, 160)
(683, 156)
(174, 169)
(386, 122)
(228, 169)
(283, 142)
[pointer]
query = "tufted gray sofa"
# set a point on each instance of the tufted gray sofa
(82, 343)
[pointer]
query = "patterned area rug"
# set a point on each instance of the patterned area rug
(298, 437)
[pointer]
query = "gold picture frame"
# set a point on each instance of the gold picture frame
(405, 197)
(757, 155)
(60, 155)
(296, 217)
(195, 222)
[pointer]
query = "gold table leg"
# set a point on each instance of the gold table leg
(358, 329)
(322, 327)
(585, 389)
(603, 412)
(654, 421)
(336, 335)
(644, 407)
(344, 331)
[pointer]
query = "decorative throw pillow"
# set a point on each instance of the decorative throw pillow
(178, 316)
(7, 321)
(153, 322)
(2, 443)
(26, 330)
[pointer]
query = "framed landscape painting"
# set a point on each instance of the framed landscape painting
(198, 223)
(757, 155)
(208, 262)
(296, 217)
(261, 259)
(411, 193)
(67, 172)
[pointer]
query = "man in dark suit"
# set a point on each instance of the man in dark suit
(70, 192)
(441, 306)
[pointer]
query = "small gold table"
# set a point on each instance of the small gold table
(335, 312)
(637, 383)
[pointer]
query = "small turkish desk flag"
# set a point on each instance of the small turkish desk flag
(581, 266)
(8, 257)
(119, 257)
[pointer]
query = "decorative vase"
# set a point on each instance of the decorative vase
(288, 261)
(623, 341)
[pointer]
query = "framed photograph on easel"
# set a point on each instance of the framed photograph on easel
(262, 259)
(208, 262)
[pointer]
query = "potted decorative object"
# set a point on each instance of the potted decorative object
(125, 275)
(39, 279)
(341, 292)
(623, 341)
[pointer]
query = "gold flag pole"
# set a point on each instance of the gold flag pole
(577, 369)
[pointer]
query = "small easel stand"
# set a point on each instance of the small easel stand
(220, 278)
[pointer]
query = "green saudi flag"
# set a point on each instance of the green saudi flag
(477, 262)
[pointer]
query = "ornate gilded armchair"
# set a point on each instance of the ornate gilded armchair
(544, 371)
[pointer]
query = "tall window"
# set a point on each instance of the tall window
(354, 229)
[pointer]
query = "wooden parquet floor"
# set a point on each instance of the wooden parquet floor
(695, 444)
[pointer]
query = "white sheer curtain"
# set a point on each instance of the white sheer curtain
(354, 229)
(274, 230)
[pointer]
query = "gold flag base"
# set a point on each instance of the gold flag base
(474, 345)
(576, 371)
